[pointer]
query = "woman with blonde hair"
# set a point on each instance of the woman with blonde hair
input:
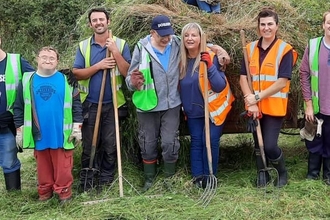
(191, 90)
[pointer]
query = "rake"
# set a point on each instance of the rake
(262, 173)
(211, 180)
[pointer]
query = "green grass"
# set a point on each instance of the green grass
(236, 196)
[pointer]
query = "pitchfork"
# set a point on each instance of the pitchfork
(211, 180)
(92, 172)
(270, 170)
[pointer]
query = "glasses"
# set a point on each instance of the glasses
(45, 58)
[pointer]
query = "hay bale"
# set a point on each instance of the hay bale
(132, 22)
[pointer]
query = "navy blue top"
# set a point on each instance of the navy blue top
(97, 54)
(190, 91)
(285, 68)
(25, 67)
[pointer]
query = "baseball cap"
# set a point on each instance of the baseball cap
(162, 25)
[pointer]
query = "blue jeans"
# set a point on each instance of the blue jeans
(198, 152)
(204, 6)
(8, 151)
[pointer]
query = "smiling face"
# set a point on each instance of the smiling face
(99, 22)
(158, 40)
(47, 60)
(326, 25)
(192, 39)
(267, 28)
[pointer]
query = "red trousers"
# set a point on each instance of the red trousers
(54, 170)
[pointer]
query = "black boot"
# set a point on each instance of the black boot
(263, 177)
(326, 170)
(149, 175)
(13, 180)
(314, 165)
(169, 169)
(279, 165)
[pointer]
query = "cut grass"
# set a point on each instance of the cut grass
(236, 197)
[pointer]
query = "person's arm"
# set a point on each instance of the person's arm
(134, 65)
(305, 82)
(19, 107)
(76, 107)
(216, 77)
(122, 60)
(26, 66)
(79, 69)
(221, 53)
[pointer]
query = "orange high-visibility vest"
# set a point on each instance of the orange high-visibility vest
(219, 103)
(265, 75)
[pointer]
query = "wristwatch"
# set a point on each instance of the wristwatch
(256, 96)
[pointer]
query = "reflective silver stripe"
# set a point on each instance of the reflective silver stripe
(277, 95)
(148, 86)
(82, 88)
(253, 45)
(67, 105)
(27, 123)
(27, 101)
(67, 127)
(312, 52)
(144, 63)
(315, 93)
(279, 57)
(14, 61)
(264, 78)
(11, 86)
(213, 96)
(222, 107)
(84, 45)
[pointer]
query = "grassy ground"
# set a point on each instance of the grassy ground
(236, 197)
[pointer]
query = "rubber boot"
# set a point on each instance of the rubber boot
(326, 170)
(279, 165)
(13, 180)
(263, 177)
(149, 175)
(314, 166)
(169, 169)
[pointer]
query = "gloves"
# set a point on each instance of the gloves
(137, 79)
(19, 139)
(252, 124)
(308, 131)
(205, 57)
(76, 134)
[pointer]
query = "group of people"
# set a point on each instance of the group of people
(48, 113)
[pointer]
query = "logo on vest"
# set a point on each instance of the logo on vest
(45, 92)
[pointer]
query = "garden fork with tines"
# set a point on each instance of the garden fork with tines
(211, 180)
(91, 174)
(274, 176)
(266, 173)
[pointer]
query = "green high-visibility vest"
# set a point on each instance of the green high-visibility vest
(83, 85)
(145, 99)
(314, 49)
(28, 140)
(13, 75)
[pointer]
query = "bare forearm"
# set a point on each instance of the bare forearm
(85, 73)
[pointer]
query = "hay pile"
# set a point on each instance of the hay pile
(132, 21)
